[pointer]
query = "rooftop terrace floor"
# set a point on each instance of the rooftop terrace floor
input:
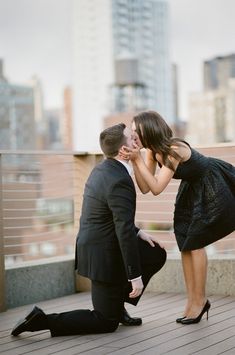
(159, 334)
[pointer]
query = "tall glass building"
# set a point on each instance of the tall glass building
(106, 33)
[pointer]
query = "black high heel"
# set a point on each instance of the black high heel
(178, 320)
(205, 309)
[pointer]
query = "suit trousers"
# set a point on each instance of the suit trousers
(108, 300)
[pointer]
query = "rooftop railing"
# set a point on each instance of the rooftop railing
(40, 204)
(37, 206)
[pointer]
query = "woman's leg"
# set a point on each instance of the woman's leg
(187, 264)
(199, 271)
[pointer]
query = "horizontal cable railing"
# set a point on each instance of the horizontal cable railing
(37, 206)
(41, 194)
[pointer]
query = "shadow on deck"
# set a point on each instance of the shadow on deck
(159, 334)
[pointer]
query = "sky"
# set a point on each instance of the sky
(35, 39)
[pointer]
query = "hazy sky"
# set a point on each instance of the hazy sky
(35, 39)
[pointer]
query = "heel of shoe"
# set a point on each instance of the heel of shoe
(208, 306)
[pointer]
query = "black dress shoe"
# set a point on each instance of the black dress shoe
(34, 320)
(126, 319)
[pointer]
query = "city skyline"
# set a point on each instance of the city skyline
(111, 40)
(36, 40)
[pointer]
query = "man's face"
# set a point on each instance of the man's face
(130, 137)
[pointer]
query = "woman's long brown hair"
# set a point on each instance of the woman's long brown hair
(156, 135)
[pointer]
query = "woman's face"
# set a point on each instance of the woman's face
(130, 137)
(136, 136)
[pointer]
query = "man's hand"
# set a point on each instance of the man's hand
(148, 238)
(137, 287)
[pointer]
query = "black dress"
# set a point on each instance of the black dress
(205, 203)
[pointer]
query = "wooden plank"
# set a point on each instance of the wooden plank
(159, 334)
(226, 346)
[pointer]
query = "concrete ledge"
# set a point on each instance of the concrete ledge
(220, 279)
(33, 283)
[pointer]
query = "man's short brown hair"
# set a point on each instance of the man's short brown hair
(111, 139)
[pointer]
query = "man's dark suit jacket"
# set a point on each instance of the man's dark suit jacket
(107, 244)
(109, 252)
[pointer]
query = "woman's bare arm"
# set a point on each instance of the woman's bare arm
(145, 171)
(156, 184)
(151, 166)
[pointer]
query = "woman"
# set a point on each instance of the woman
(205, 203)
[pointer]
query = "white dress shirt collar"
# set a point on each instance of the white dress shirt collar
(127, 166)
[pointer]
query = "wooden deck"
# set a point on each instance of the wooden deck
(159, 334)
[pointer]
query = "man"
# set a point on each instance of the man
(118, 258)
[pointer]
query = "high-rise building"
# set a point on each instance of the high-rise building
(53, 118)
(212, 111)
(211, 116)
(218, 70)
(2, 77)
(40, 120)
(17, 117)
(105, 33)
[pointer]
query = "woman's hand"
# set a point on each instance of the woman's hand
(128, 153)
